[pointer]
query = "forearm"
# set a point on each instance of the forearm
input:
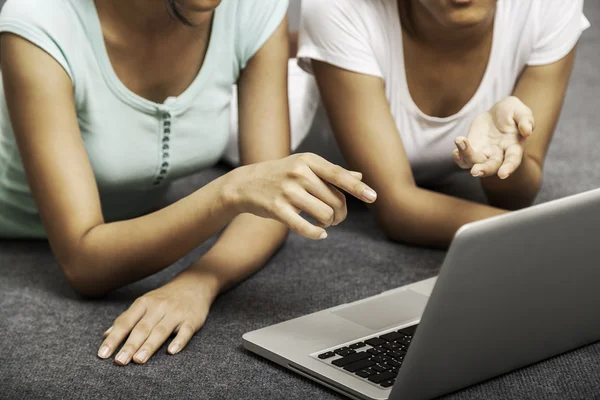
(114, 254)
(420, 217)
(243, 248)
(517, 191)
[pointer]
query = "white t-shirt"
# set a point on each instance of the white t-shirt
(365, 36)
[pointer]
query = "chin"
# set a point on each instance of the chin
(461, 13)
(199, 5)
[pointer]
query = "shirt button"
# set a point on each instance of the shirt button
(165, 155)
(166, 147)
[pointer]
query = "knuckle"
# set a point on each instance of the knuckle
(161, 330)
(328, 214)
(278, 205)
(304, 158)
(187, 327)
(142, 327)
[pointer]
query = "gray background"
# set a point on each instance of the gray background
(49, 336)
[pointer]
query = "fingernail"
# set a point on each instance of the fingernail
(461, 145)
(370, 195)
(175, 347)
(122, 358)
(477, 175)
(323, 236)
(141, 356)
(103, 352)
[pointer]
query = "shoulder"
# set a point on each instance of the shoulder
(41, 12)
(48, 24)
(252, 23)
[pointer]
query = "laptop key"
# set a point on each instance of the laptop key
(395, 363)
(365, 373)
(392, 346)
(346, 352)
(336, 351)
(397, 354)
(357, 345)
(404, 340)
(392, 336)
(380, 358)
(387, 384)
(379, 368)
(375, 351)
(327, 355)
(410, 331)
(342, 362)
(375, 342)
(362, 364)
(384, 376)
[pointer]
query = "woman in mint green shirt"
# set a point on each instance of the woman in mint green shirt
(106, 102)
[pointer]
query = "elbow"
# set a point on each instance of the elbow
(517, 200)
(80, 279)
(401, 224)
(402, 231)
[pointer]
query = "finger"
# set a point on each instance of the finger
(357, 175)
(184, 334)
(290, 217)
(107, 332)
(341, 178)
(523, 117)
(160, 333)
(491, 166)
(469, 156)
(512, 160)
(314, 207)
(137, 337)
(330, 196)
(120, 329)
(459, 160)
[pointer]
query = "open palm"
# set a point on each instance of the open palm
(495, 142)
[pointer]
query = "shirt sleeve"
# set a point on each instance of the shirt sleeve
(40, 23)
(560, 24)
(258, 20)
(334, 32)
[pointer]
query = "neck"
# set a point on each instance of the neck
(151, 18)
(429, 31)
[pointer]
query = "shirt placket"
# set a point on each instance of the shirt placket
(165, 151)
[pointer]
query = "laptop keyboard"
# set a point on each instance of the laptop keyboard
(377, 359)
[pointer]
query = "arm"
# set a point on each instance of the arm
(368, 137)
(95, 256)
(541, 88)
(250, 241)
(182, 305)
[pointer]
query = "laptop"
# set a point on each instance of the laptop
(513, 290)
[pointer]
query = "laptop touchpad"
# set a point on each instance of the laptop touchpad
(386, 310)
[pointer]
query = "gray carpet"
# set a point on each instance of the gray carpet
(49, 336)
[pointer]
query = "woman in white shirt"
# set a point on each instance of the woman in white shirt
(414, 88)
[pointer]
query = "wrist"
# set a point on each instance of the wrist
(201, 281)
(229, 192)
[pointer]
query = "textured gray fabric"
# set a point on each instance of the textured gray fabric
(49, 336)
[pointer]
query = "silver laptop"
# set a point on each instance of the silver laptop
(513, 290)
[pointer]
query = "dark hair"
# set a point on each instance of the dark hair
(406, 17)
(176, 12)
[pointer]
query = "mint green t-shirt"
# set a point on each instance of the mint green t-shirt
(136, 147)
